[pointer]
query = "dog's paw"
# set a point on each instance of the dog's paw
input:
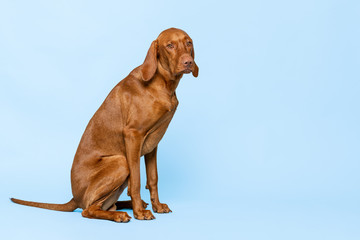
(121, 217)
(143, 215)
(161, 208)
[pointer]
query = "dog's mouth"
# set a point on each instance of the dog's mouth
(186, 70)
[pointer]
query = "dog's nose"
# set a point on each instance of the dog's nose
(188, 62)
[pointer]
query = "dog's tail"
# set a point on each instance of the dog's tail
(66, 207)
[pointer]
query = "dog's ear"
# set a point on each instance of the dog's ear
(149, 66)
(195, 73)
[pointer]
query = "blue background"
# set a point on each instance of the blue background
(265, 143)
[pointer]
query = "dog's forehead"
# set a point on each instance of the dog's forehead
(173, 34)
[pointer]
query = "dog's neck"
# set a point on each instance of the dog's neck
(164, 79)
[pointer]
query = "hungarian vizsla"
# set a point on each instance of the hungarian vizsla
(129, 124)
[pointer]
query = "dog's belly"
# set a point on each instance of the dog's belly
(154, 136)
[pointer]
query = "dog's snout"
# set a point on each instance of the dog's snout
(188, 62)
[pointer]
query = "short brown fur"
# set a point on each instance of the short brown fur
(129, 124)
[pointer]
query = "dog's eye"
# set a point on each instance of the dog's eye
(170, 46)
(188, 43)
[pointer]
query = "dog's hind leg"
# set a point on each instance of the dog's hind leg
(105, 187)
(95, 211)
(105, 208)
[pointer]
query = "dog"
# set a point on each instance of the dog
(129, 124)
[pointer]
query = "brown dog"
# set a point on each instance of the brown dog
(129, 124)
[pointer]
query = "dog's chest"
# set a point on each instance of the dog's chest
(157, 131)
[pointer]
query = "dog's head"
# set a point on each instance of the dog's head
(172, 52)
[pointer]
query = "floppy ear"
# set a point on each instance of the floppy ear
(195, 73)
(148, 68)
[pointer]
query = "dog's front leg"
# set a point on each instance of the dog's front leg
(152, 183)
(133, 142)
